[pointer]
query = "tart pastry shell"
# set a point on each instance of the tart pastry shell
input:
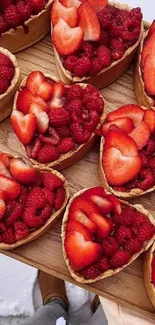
(147, 272)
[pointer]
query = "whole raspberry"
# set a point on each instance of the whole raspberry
(90, 93)
(126, 216)
(83, 67)
(119, 259)
(4, 84)
(93, 121)
(37, 5)
(4, 4)
(4, 26)
(96, 105)
(150, 147)
(88, 49)
(74, 105)
(12, 16)
(23, 195)
(133, 245)
(117, 49)
(136, 12)
(66, 145)
(105, 18)
(145, 232)
(63, 131)
(103, 264)
(51, 181)
(143, 158)
(122, 233)
(49, 195)
(74, 92)
(8, 237)
(36, 198)
(48, 153)
(15, 214)
(51, 137)
(104, 55)
(21, 230)
(59, 117)
(59, 198)
(7, 73)
(32, 219)
(116, 29)
(46, 212)
(91, 272)
(139, 219)
(5, 60)
(96, 66)
(33, 148)
(147, 179)
(121, 16)
(104, 38)
(151, 163)
(25, 10)
(70, 63)
(109, 246)
(3, 227)
(80, 135)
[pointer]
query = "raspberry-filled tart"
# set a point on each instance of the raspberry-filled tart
(31, 200)
(127, 161)
(101, 234)
(149, 273)
(23, 22)
(94, 42)
(55, 122)
(10, 79)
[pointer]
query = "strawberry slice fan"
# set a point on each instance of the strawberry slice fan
(57, 124)
(102, 234)
(149, 273)
(31, 200)
(94, 42)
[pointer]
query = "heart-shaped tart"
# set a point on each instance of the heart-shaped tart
(55, 122)
(127, 162)
(23, 23)
(31, 200)
(94, 42)
(101, 235)
(10, 79)
(149, 273)
(144, 85)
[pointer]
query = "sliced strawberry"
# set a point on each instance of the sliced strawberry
(69, 15)
(40, 101)
(121, 162)
(55, 103)
(97, 195)
(2, 208)
(153, 270)
(140, 134)
(149, 73)
(4, 157)
(3, 195)
(70, 3)
(25, 99)
(58, 89)
(42, 117)
(125, 124)
(11, 187)
(104, 225)
(81, 252)
(79, 216)
(73, 226)
(34, 80)
(24, 126)
(22, 172)
(149, 119)
(84, 205)
(4, 170)
(45, 90)
(115, 203)
(134, 112)
(98, 5)
(151, 29)
(148, 48)
(89, 22)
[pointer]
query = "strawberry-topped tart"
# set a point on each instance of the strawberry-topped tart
(145, 70)
(102, 234)
(9, 81)
(149, 273)
(127, 161)
(94, 42)
(30, 200)
(55, 122)
(23, 22)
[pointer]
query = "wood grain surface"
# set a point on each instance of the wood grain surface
(45, 253)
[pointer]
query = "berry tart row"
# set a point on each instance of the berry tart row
(31, 200)
(127, 161)
(55, 122)
(94, 42)
(101, 234)
(23, 22)
(10, 79)
(149, 273)
(144, 85)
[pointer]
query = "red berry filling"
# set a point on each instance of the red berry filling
(7, 72)
(28, 198)
(56, 125)
(102, 233)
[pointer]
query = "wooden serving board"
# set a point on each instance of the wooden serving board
(45, 253)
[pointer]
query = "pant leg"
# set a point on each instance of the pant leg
(99, 318)
(48, 314)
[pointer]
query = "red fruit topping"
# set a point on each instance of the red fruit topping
(75, 226)
(84, 205)
(25, 10)
(25, 99)
(33, 219)
(5, 60)
(117, 49)
(143, 158)
(11, 187)
(48, 153)
(5, 159)
(93, 121)
(59, 198)
(8, 236)
(67, 40)
(135, 112)
(104, 225)
(4, 170)
(69, 15)
(89, 22)
(98, 5)
(151, 29)
(7, 73)
(146, 231)
(140, 134)
(103, 264)
(37, 5)
(70, 3)
(97, 195)
(96, 105)
(119, 259)
(153, 271)
(79, 216)
(12, 16)
(80, 134)
(133, 245)
(23, 195)
(22, 172)
(149, 70)
(21, 230)
(34, 80)
(148, 48)
(49, 196)
(104, 38)
(15, 214)
(81, 252)
(63, 132)
(51, 181)
(147, 179)
(83, 66)
(66, 145)
(2, 208)
(104, 55)
(4, 85)
(53, 137)
(122, 234)
(136, 12)
(41, 116)
(33, 149)
(59, 117)
(45, 90)
(88, 49)
(126, 217)
(121, 151)
(36, 198)
(151, 163)
(125, 124)
(70, 63)
(4, 26)
(24, 126)
(150, 147)
(149, 119)
(2, 227)
(4, 4)
(139, 219)
(109, 246)
(96, 66)
(91, 272)
(74, 92)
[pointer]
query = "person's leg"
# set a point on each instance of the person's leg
(54, 300)
(99, 317)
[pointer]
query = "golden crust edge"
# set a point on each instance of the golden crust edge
(147, 272)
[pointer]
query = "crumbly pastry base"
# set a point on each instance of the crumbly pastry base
(36, 28)
(108, 273)
(6, 99)
(147, 272)
(71, 157)
(50, 222)
(111, 73)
